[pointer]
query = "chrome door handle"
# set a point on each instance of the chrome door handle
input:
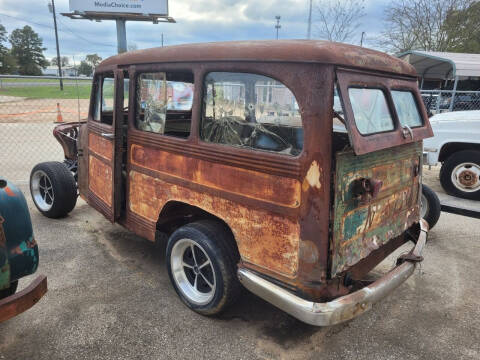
(108, 136)
(407, 131)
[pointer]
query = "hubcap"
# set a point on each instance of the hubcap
(466, 177)
(193, 271)
(42, 190)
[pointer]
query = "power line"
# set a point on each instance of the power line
(81, 37)
(64, 31)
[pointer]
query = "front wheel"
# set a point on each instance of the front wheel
(53, 189)
(201, 262)
(460, 174)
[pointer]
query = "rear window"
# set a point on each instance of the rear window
(406, 108)
(370, 110)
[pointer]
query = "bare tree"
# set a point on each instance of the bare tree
(420, 24)
(338, 20)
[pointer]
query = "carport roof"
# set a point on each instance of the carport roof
(443, 65)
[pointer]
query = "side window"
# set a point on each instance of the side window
(406, 107)
(251, 111)
(164, 103)
(370, 110)
(104, 95)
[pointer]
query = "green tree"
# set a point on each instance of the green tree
(7, 61)
(85, 69)
(93, 60)
(463, 29)
(421, 24)
(64, 60)
(27, 48)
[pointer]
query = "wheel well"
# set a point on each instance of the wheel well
(176, 213)
(450, 148)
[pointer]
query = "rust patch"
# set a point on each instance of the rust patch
(313, 177)
(263, 238)
(100, 179)
(100, 146)
(252, 184)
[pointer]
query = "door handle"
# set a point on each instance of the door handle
(108, 136)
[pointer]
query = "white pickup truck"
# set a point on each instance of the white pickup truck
(456, 145)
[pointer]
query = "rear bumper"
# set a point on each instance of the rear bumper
(343, 308)
(23, 300)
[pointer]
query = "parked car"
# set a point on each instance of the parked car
(456, 146)
(18, 254)
(289, 207)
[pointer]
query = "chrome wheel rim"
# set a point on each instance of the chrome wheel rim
(193, 271)
(466, 177)
(423, 206)
(42, 190)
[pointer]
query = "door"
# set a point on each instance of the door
(103, 144)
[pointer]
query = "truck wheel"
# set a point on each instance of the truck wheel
(53, 189)
(9, 291)
(202, 262)
(460, 174)
(430, 207)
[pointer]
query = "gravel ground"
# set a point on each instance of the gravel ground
(110, 298)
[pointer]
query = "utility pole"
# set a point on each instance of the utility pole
(361, 39)
(162, 39)
(59, 62)
(278, 26)
(309, 32)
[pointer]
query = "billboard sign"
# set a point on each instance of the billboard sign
(153, 7)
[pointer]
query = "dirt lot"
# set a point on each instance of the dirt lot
(110, 298)
(23, 110)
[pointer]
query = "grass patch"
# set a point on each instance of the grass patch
(21, 80)
(49, 92)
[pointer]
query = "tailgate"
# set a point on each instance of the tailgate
(363, 225)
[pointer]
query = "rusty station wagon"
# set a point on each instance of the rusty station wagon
(291, 167)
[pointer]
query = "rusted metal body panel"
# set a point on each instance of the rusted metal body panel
(274, 189)
(307, 51)
(263, 238)
(363, 226)
(23, 300)
(101, 179)
(100, 146)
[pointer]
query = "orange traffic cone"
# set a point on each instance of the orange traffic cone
(59, 115)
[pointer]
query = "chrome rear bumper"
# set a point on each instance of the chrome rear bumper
(343, 308)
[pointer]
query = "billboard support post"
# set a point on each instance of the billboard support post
(121, 35)
(155, 11)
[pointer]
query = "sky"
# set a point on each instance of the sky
(197, 21)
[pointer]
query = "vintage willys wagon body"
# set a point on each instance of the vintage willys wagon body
(291, 167)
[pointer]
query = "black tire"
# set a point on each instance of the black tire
(433, 206)
(217, 242)
(449, 166)
(9, 291)
(63, 185)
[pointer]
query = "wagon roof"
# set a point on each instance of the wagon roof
(274, 50)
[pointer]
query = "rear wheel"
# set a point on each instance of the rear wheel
(430, 207)
(460, 174)
(53, 189)
(201, 262)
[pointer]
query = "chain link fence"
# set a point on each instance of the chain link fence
(437, 101)
(29, 109)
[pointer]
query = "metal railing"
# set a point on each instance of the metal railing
(437, 101)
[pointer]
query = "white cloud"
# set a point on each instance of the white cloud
(198, 21)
